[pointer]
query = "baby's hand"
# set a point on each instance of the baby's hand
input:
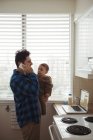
(45, 97)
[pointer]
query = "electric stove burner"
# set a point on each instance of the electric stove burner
(89, 119)
(69, 120)
(78, 130)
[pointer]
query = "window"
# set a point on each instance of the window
(10, 41)
(47, 37)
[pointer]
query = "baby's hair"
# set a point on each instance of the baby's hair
(46, 66)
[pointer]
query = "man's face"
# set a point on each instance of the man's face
(28, 61)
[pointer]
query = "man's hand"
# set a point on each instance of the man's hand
(26, 69)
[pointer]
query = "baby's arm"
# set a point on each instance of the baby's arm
(48, 86)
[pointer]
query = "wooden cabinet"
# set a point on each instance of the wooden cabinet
(84, 45)
(8, 124)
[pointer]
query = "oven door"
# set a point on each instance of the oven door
(54, 132)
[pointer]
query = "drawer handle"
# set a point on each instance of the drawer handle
(7, 108)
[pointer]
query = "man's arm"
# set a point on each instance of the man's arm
(25, 84)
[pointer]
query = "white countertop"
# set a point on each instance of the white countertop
(59, 110)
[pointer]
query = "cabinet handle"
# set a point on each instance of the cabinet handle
(7, 108)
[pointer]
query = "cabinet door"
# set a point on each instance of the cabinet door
(8, 128)
(83, 43)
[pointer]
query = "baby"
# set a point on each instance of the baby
(45, 83)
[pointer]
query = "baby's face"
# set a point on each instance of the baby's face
(42, 70)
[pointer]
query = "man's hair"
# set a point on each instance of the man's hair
(21, 56)
(46, 66)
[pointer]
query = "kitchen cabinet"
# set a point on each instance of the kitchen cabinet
(8, 125)
(84, 45)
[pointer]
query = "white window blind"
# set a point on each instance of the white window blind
(47, 37)
(10, 42)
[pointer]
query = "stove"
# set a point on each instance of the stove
(69, 120)
(74, 127)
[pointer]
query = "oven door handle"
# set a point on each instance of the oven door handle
(50, 131)
(53, 132)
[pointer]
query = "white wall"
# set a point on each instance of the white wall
(37, 6)
(82, 6)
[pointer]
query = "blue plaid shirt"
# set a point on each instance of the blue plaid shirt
(26, 92)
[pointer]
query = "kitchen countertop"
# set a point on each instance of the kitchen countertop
(60, 111)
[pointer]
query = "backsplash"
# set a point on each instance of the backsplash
(81, 83)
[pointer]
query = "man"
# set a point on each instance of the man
(24, 85)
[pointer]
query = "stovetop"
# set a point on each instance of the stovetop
(77, 120)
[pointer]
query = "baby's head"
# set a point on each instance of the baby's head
(43, 69)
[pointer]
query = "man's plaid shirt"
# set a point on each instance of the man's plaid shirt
(26, 92)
